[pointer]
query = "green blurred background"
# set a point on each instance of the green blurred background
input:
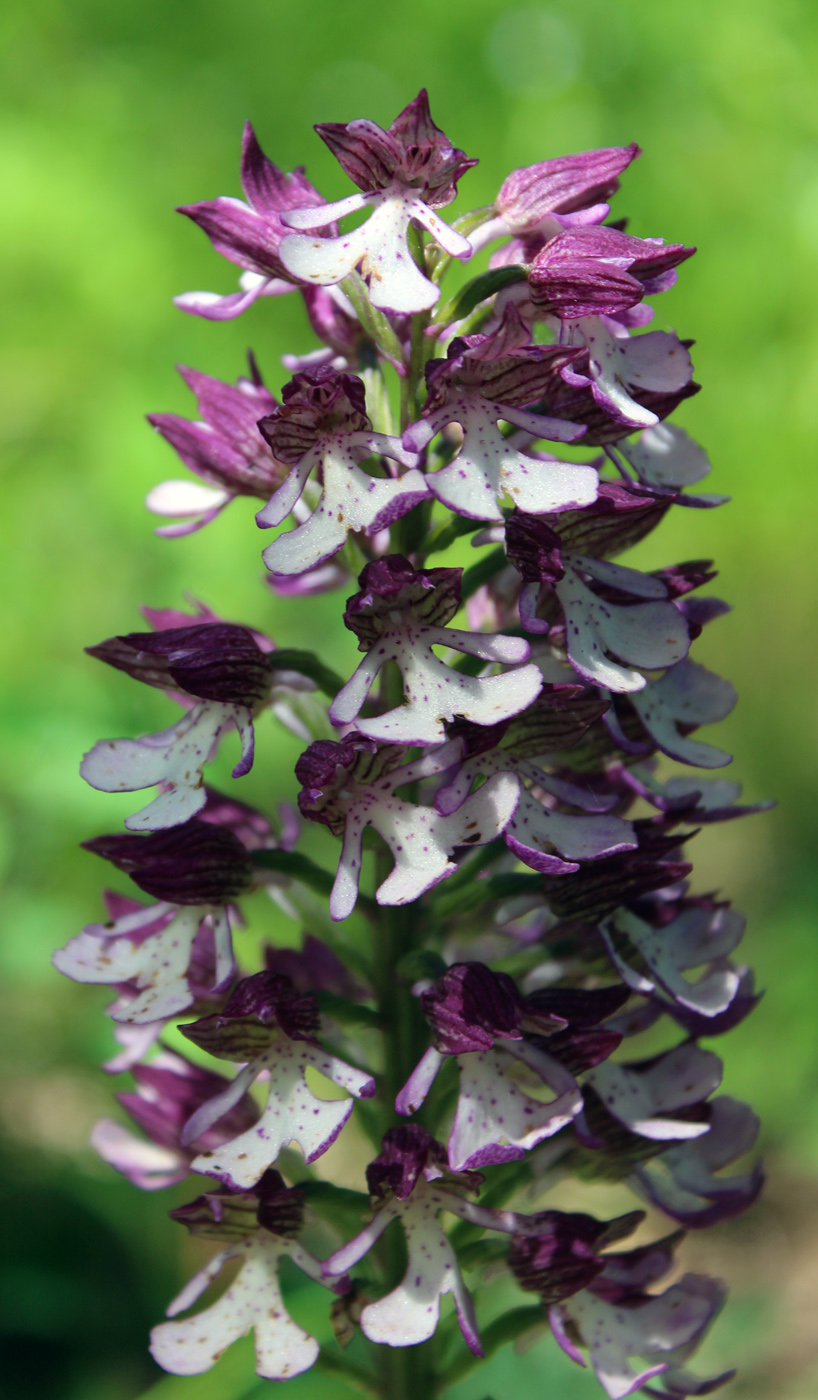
(111, 115)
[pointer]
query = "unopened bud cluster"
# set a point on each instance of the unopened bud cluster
(500, 753)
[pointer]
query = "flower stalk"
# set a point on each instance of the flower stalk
(509, 772)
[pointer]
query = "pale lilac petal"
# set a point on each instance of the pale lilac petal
(284, 500)
(696, 936)
(681, 1077)
(650, 635)
(631, 581)
(345, 887)
(175, 758)
(409, 1314)
(395, 282)
(353, 1252)
(666, 1326)
(539, 425)
(352, 696)
(535, 830)
(666, 456)
(687, 695)
(323, 214)
(420, 1081)
(453, 242)
(350, 500)
(158, 965)
(437, 692)
(214, 307)
(563, 1339)
(283, 1349)
(611, 1341)
(183, 498)
(146, 1164)
(323, 261)
(215, 1108)
(488, 466)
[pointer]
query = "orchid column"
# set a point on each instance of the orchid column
(508, 774)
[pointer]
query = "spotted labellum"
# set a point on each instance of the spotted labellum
(467, 936)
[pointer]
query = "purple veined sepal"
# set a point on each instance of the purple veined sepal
(322, 425)
(315, 968)
(267, 1025)
(485, 379)
(150, 952)
(352, 784)
(685, 1181)
(618, 1321)
(259, 1228)
(405, 174)
(558, 1253)
(479, 1017)
(400, 615)
(562, 185)
(169, 1089)
(409, 1181)
(535, 202)
(224, 448)
(250, 234)
(600, 271)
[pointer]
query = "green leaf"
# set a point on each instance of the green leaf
(306, 663)
(420, 964)
(482, 571)
(297, 866)
(446, 533)
(373, 321)
(505, 886)
(464, 301)
(482, 1252)
(348, 1013)
(337, 1204)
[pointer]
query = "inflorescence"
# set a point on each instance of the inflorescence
(506, 776)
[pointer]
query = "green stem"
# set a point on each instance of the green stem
(405, 1373)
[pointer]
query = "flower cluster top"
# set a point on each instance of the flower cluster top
(512, 757)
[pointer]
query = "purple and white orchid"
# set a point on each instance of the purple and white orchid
(405, 173)
(400, 615)
(410, 1181)
(511, 902)
(486, 379)
(322, 425)
(351, 785)
(259, 1228)
(267, 1026)
(195, 871)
